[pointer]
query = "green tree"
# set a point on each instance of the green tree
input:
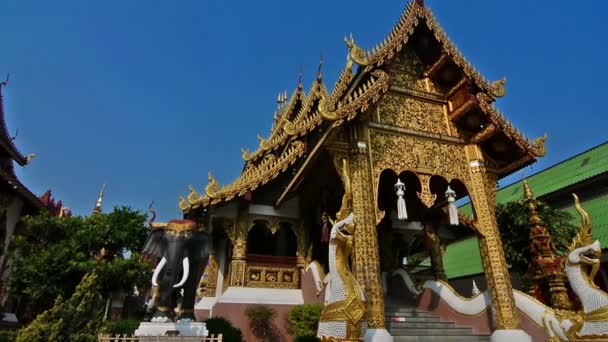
(513, 222)
(76, 319)
(50, 255)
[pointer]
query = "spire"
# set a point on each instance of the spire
(300, 78)
(319, 69)
(529, 199)
(97, 208)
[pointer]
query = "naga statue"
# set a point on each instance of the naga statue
(343, 317)
(581, 265)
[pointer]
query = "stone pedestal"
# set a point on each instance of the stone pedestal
(192, 329)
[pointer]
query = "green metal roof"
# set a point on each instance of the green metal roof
(568, 172)
(462, 258)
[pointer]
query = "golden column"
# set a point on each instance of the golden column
(238, 265)
(482, 192)
(366, 255)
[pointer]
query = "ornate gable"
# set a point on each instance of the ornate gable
(425, 85)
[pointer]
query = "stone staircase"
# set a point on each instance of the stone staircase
(407, 323)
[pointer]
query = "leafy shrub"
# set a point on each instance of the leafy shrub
(125, 326)
(75, 319)
(260, 321)
(220, 325)
(8, 335)
(304, 320)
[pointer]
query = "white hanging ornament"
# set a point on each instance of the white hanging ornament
(475, 290)
(401, 211)
(452, 211)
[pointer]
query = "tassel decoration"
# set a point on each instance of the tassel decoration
(452, 211)
(401, 210)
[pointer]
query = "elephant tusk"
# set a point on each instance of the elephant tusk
(157, 270)
(186, 265)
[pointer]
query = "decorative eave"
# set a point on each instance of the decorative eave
(359, 99)
(283, 128)
(534, 148)
(6, 141)
(414, 13)
(249, 180)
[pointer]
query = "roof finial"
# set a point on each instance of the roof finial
(319, 70)
(97, 208)
(300, 77)
(419, 3)
(532, 205)
(3, 83)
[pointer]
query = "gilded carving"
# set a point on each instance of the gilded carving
(409, 112)
(482, 194)
(406, 71)
(498, 87)
(366, 255)
(208, 282)
(425, 195)
(424, 156)
(272, 277)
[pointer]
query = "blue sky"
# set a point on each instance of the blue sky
(147, 96)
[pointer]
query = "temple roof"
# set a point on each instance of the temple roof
(352, 94)
(10, 154)
(6, 141)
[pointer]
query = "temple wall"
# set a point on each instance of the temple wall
(235, 313)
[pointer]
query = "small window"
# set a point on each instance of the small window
(585, 161)
(516, 190)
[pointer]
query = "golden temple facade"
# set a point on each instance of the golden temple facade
(410, 109)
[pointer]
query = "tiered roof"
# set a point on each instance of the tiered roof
(352, 94)
(7, 143)
(10, 154)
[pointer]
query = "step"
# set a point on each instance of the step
(420, 325)
(431, 332)
(409, 314)
(401, 308)
(441, 338)
(401, 319)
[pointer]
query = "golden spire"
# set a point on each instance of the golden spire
(97, 208)
(532, 205)
(319, 69)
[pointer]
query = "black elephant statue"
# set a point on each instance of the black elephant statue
(182, 249)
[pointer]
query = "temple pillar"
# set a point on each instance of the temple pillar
(238, 264)
(366, 255)
(482, 193)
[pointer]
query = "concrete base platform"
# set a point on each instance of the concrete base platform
(161, 329)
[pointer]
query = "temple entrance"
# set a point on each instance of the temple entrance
(320, 200)
(412, 235)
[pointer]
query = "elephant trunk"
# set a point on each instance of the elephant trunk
(186, 265)
(157, 270)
